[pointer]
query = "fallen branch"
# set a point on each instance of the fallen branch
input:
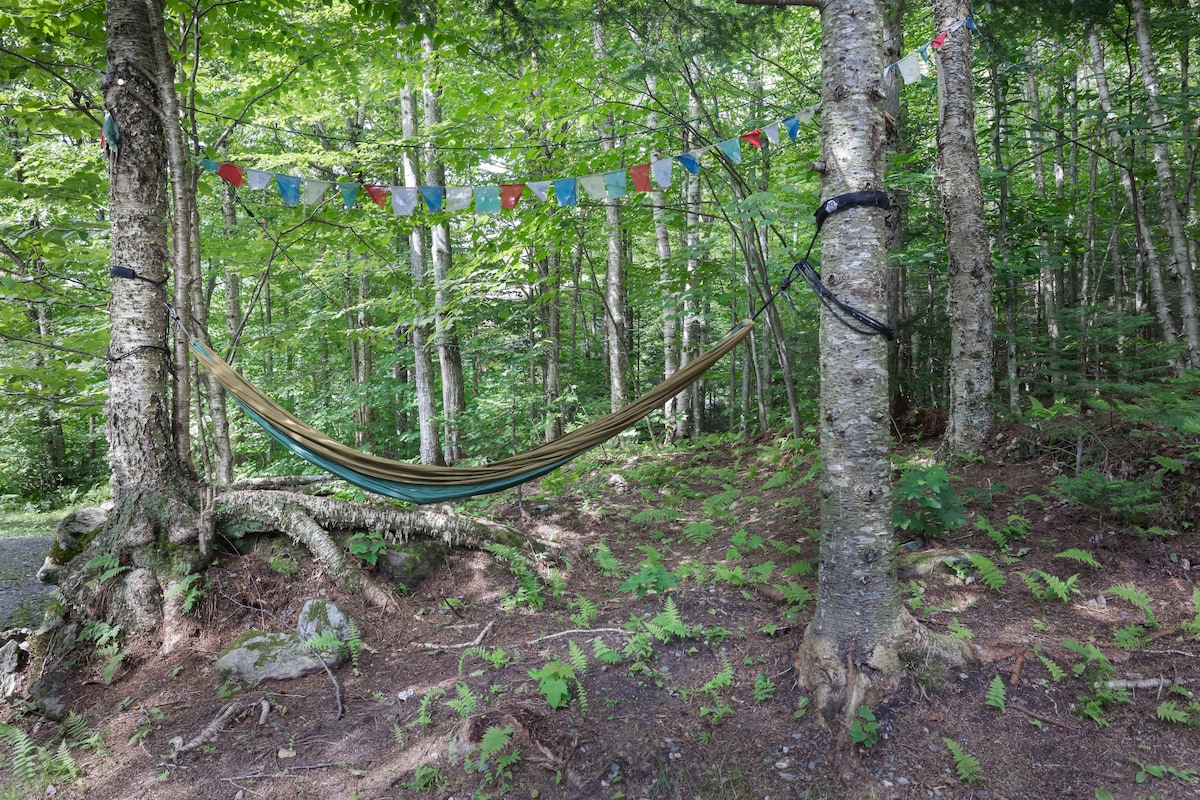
(578, 630)
(1031, 713)
(210, 732)
(1016, 670)
(475, 643)
(1157, 684)
(337, 688)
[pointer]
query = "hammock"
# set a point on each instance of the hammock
(420, 483)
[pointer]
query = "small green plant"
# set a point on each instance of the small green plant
(1057, 673)
(1146, 771)
(1015, 528)
(427, 778)
(764, 688)
(958, 630)
(1082, 556)
(1048, 587)
(1192, 626)
(966, 766)
(186, 586)
(492, 761)
(465, 702)
(370, 546)
(531, 590)
(607, 563)
(425, 712)
(1097, 670)
(864, 731)
(722, 680)
(801, 707)
(105, 566)
(106, 639)
(496, 657)
(996, 694)
(651, 576)
(653, 516)
(604, 653)
(667, 623)
(553, 680)
(989, 573)
(1132, 594)
(585, 612)
(699, 532)
(925, 502)
(1170, 711)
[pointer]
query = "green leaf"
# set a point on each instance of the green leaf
(996, 694)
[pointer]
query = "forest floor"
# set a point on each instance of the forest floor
(455, 695)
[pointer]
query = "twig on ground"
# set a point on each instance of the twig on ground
(577, 630)
(475, 643)
(337, 688)
(1184, 653)
(210, 732)
(1016, 670)
(1031, 713)
(1158, 684)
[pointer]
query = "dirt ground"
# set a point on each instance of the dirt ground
(701, 704)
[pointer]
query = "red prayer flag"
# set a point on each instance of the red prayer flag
(754, 137)
(232, 173)
(939, 40)
(377, 193)
(641, 177)
(510, 194)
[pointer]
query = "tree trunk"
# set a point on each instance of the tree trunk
(852, 649)
(548, 283)
(970, 258)
(154, 525)
(454, 395)
(431, 447)
(1047, 298)
(1167, 195)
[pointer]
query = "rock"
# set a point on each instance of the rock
(12, 662)
(48, 696)
(256, 656)
(72, 535)
(414, 562)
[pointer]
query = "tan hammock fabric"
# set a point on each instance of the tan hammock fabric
(391, 477)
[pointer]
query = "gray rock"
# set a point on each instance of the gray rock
(320, 616)
(256, 656)
(12, 661)
(48, 696)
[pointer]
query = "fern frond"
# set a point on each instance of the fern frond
(605, 653)
(1057, 673)
(699, 532)
(722, 500)
(25, 753)
(780, 478)
(966, 765)
(1169, 711)
(655, 515)
(1082, 556)
(795, 594)
(996, 695)
(989, 573)
(577, 658)
(668, 622)
(1131, 593)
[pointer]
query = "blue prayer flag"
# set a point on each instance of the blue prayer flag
(792, 124)
(690, 162)
(566, 191)
(289, 188)
(433, 195)
(487, 200)
(614, 183)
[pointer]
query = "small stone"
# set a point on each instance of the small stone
(781, 764)
(787, 776)
(285, 752)
(933, 748)
(902, 781)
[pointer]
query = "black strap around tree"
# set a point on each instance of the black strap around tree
(804, 268)
(129, 273)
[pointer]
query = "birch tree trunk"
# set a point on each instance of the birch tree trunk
(852, 649)
(970, 258)
(454, 395)
(154, 516)
(431, 447)
(1167, 197)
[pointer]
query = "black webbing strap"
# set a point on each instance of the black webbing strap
(843, 313)
(128, 273)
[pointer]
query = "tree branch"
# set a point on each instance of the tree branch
(781, 3)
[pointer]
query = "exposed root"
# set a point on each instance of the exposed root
(462, 646)
(210, 732)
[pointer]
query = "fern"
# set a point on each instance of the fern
(606, 562)
(107, 564)
(652, 516)
(699, 532)
(764, 688)
(1131, 593)
(996, 694)
(1082, 556)
(585, 612)
(667, 623)
(110, 667)
(778, 479)
(1193, 626)
(577, 658)
(1169, 711)
(605, 653)
(464, 703)
(794, 594)
(989, 573)
(722, 680)
(1057, 673)
(965, 765)
(25, 753)
(425, 713)
(1130, 637)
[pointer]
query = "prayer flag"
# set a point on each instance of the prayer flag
(377, 193)
(232, 173)
(661, 168)
(433, 197)
(938, 40)
(910, 67)
(807, 114)
(566, 191)
(289, 188)
(971, 23)
(753, 137)
(404, 200)
(641, 177)
(349, 191)
(210, 165)
(690, 162)
(614, 183)
(733, 149)
(539, 188)
(487, 200)
(258, 178)
(510, 194)
(314, 190)
(458, 198)
(594, 186)
(792, 124)
(772, 132)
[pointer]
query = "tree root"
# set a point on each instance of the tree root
(210, 731)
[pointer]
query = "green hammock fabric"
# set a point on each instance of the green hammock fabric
(420, 483)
